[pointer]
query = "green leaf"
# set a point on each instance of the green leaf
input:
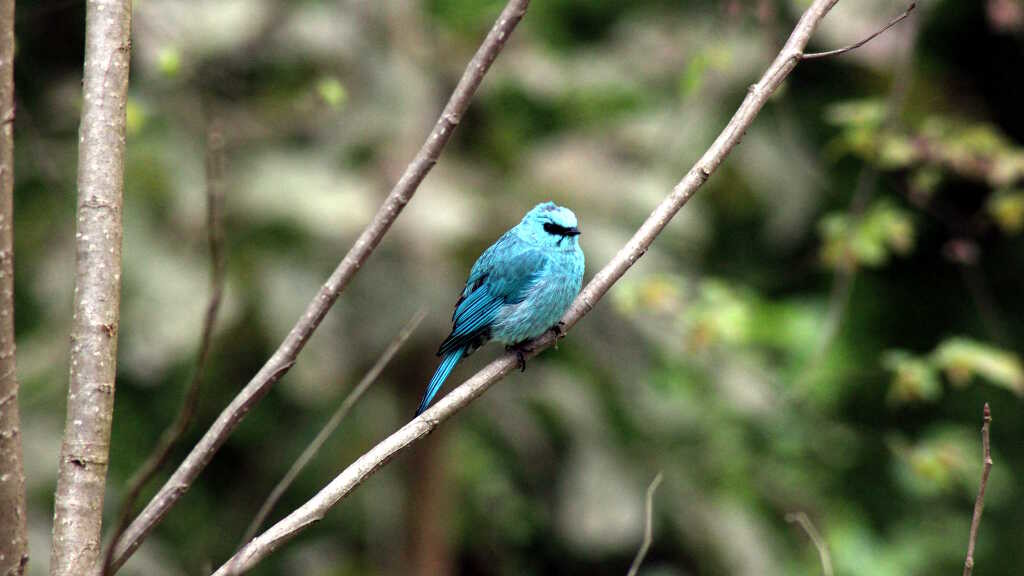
(914, 379)
(332, 92)
(962, 359)
(1007, 209)
(869, 240)
(168, 61)
(868, 113)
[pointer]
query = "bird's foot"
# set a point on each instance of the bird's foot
(559, 329)
(521, 349)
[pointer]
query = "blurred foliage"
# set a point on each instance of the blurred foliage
(816, 330)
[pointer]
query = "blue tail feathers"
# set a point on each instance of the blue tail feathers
(447, 364)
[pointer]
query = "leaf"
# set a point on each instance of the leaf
(868, 113)
(1007, 209)
(332, 92)
(869, 240)
(169, 61)
(962, 359)
(914, 379)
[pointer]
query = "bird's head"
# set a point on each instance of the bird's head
(549, 224)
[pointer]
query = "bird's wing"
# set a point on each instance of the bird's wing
(503, 275)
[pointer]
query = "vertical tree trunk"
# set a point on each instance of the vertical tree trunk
(13, 531)
(78, 509)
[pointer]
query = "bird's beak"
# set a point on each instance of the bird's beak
(572, 231)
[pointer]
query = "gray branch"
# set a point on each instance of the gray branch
(315, 509)
(285, 355)
(13, 530)
(78, 506)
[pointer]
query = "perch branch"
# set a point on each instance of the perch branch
(332, 424)
(13, 527)
(215, 242)
(838, 51)
(364, 466)
(82, 474)
(815, 536)
(285, 355)
(979, 502)
(648, 527)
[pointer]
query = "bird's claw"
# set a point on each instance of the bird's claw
(559, 329)
(520, 349)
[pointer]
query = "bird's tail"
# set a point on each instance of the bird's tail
(447, 364)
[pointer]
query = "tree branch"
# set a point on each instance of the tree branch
(648, 527)
(285, 355)
(332, 424)
(815, 536)
(979, 502)
(78, 506)
(13, 529)
(315, 509)
(856, 45)
(171, 436)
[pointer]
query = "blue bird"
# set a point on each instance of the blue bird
(518, 289)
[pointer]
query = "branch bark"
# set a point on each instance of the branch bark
(315, 509)
(816, 539)
(13, 529)
(645, 545)
(285, 355)
(78, 507)
(979, 502)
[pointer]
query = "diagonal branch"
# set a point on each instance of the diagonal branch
(816, 539)
(171, 436)
(855, 45)
(364, 466)
(648, 527)
(82, 477)
(13, 515)
(979, 502)
(332, 424)
(285, 355)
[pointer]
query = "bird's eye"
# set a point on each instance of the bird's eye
(552, 228)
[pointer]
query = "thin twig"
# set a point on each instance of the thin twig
(838, 51)
(332, 424)
(364, 466)
(85, 449)
(285, 355)
(815, 536)
(215, 241)
(13, 511)
(979, 502)
(648, 527)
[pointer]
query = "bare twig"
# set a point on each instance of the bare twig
(979, 502)
(332, 424)
(284, 357)
(215, 240)
(78, 503)
(648, 527)
(364, 466)
(815, 536)
(13, 528)
(856, 45)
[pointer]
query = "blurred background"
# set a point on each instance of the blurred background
(816, 331)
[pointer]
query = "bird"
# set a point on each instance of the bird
(517, 290)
